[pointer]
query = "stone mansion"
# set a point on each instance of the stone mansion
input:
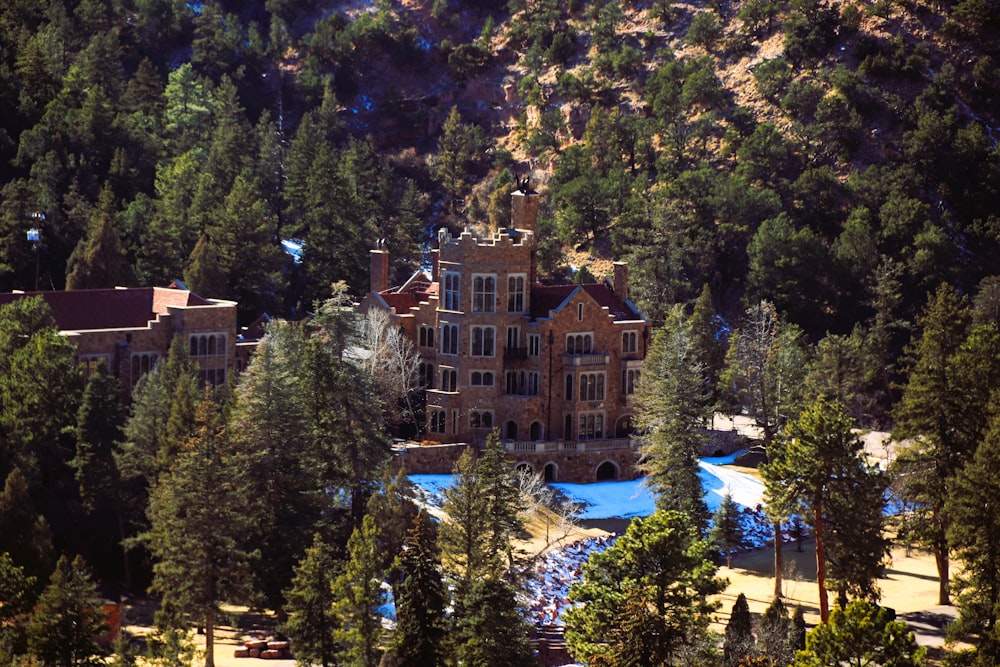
(554, 368)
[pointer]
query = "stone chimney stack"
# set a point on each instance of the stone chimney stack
(379, 267)
(524, 209)
(620, 280)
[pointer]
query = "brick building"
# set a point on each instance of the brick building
(553, 368)
(129, 329)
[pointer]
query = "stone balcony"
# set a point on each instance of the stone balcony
(589, 359)
(606, 444)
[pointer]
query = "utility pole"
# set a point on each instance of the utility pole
(35, 239)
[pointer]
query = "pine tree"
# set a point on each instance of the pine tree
(358, 595)
(739, 642)
(67, 620)
(17, 590)
(100, 421)
(464, 536)
(974, 535)
(200, 515)
(773, 639)
(420, 598)
(502, 502)
(395, 511)
(312, 621)
(25, 535)
(99, 261)
(491, 628)
(155, 427)
(663, 566)
(670, 411)
(727, 530)
(271, 430)
(819, 465)
(930, 413)
(204, 273)
(797, 632)
(861, 634)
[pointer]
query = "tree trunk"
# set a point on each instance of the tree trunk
(126, 565)
(779, 563)
(824, 602)
(941, 559)
(210, 638)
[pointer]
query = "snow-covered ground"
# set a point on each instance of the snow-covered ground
(632, 498)
(554, 572)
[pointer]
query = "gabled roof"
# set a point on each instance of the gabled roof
(83, 310)
(548, 298)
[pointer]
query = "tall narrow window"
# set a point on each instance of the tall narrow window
(515, 293)
(630, 380)
(534, 345)
(449, 339)
(579, 312)
(483, 341)
(451, 290)
(630, 342)
(484, 293)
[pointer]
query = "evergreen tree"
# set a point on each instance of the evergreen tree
(861, 634)
(671, 410)
(739, 642)
(100, 421)
(464, 536)
(930, 414)
(773, 638)
(358, 595)
(155, 427)
(270, 429)
(819, 465)
(204, 273)
(490, 629)
(660, 570)
(420, 598)
(501, 497)
(68, 619)
(458, 148)
(17, 590)
(200, 520)
(797, 633)
(312, 620)
(99, 261)
(974, 534)
(25, 535)
(394, 511)
(727, 530)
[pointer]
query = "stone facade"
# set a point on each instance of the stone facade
(554, 368)
(130, 329)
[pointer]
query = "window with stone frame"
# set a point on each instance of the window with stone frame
(516, 283)
(483, 341)
(484, 292)
(451, 290)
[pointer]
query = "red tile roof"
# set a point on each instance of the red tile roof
(109, 308)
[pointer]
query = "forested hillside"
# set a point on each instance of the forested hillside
(836, 158)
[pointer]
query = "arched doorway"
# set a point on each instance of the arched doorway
(524, 467)
(550, 472)
(511, 430)
(536, 431)
(606, 471)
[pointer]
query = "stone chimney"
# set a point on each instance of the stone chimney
(379, 267)
(620, 280)
(524, 210)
